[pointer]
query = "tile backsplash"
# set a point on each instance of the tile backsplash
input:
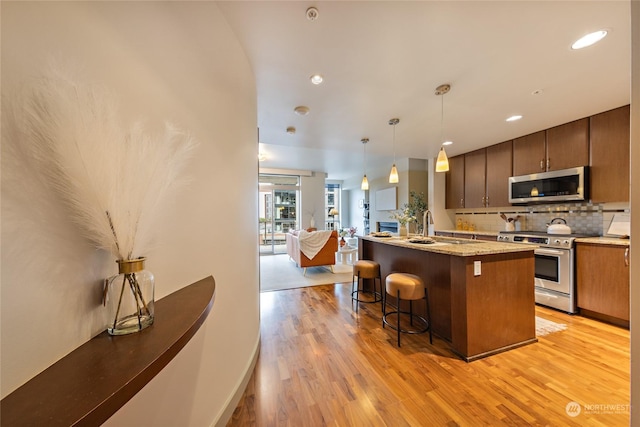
(583, 218)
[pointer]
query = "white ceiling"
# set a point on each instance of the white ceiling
(384, 59)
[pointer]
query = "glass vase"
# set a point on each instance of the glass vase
(130, 298)
(402, 231)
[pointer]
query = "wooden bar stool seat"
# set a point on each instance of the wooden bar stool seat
(406, 287)
(365, 269)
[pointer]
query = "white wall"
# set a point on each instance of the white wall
(312, 199)
(166, 60)
(635, 213)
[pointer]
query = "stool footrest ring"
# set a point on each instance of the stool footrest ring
(424, 321)
(377, 296)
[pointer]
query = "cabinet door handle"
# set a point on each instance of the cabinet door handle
(542, 164)
(626, 257)
(487, 202)
(462, 203)
(548, 164)
(484, 203)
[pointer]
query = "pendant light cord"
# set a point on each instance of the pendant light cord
(364, 149)
(441, 119)
(394, 143)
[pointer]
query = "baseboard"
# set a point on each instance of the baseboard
(231, 404)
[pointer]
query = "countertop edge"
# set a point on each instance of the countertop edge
(611, 241)
(473, 248)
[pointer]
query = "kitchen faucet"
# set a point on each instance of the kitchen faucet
(428, 216)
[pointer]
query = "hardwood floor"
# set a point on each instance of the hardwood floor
(321, 363)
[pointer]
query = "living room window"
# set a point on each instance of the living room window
(278, 210)
(332, 206)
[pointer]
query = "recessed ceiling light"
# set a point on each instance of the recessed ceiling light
(291, 130)
(537, 92)
(301, 110)
(312, 13)
(589, 39)
(316, 79)
(514, 118)
(447, 143)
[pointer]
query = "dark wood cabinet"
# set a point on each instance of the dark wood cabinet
(475, 164)
(499, 162)
(487, 173)
(454, 181)
(602, 281)
(568, 145)
(480, 178)
(529, 154)
(561, 147)
(609, 145)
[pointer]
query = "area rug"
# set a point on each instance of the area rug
(545, 327)
(278, 272)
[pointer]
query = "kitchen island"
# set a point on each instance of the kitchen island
(478, 314)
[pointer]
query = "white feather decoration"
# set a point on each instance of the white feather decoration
(113, 178)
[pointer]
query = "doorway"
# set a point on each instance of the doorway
(279, 211)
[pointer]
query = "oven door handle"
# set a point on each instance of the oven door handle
(549, 252)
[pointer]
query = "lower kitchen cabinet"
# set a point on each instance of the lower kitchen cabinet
(602, 282)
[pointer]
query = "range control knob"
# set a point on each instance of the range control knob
(566, 243)
(557, 241)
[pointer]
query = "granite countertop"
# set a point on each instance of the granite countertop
(455, 247)
(481, 232)
(604, 240)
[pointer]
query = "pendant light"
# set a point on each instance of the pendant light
(393, 176)
(442, 163)
(365, 181)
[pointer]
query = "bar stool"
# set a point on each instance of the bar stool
(406, 287)
(365, 269)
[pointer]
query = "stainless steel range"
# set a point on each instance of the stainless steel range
(554, 266)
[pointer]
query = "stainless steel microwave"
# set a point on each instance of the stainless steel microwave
(556, 186)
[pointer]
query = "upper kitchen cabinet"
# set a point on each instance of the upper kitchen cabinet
(499, 169)
(475, 164)
(609, 133)
(568, 145)
(562, 147)
(487, 173)
(529, 153)
(454, 182)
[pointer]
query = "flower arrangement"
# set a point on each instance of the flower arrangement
(352, 231)
(343, 232)
(403, 216)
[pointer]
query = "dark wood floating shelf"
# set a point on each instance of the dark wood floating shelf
(91, 383)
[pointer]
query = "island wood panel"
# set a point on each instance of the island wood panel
(434, 270)
(495, 310)
(479, 315)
